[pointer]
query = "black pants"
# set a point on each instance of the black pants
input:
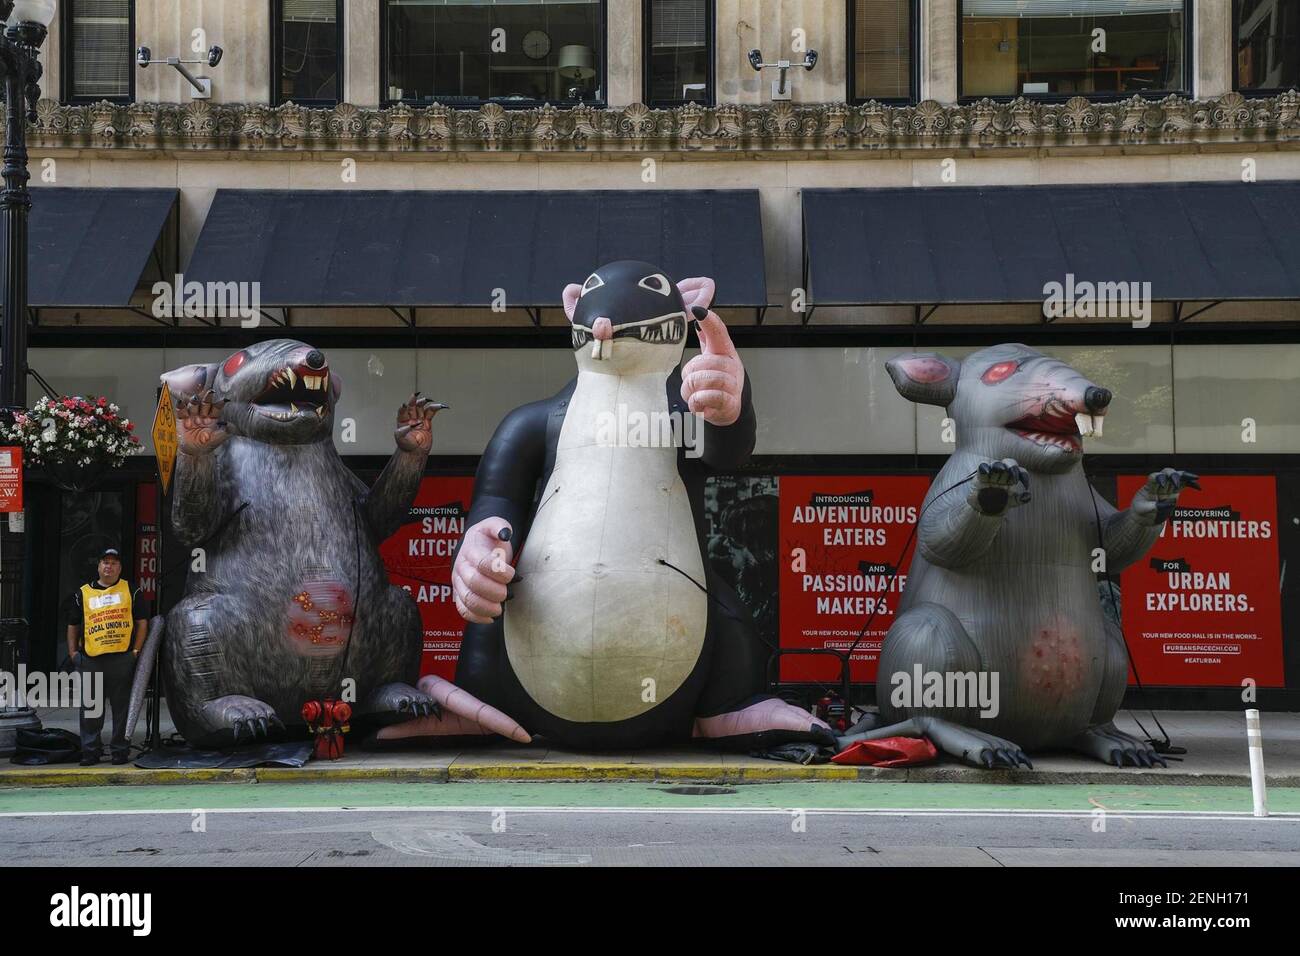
(118, 670)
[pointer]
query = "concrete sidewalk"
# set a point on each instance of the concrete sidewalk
(1216, 741)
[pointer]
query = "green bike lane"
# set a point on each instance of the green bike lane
(647, 797)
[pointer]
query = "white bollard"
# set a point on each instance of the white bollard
(1255, 741)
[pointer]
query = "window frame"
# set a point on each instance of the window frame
(385, 102)
(1189, 50)
(277, 21)
(1256, 91)
(710, 45)
(851, 69)
(67, 61)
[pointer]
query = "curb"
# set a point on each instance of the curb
(616, 773)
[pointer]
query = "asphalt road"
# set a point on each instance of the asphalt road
(640, 825)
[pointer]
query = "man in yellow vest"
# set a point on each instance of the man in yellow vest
(107, 625)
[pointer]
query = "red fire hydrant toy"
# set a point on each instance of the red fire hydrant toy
(328, 720)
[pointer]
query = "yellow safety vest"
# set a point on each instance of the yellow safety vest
(106, 618)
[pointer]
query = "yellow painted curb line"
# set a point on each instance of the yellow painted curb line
(647, 772)
(85, 777)
(390, 774)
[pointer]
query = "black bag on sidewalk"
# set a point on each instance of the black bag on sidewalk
(34, 748)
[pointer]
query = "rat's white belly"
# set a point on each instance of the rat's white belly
(598, 629)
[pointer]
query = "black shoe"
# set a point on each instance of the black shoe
(119, 759)
(89, 760)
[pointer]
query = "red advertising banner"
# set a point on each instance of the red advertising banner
(146, 540)
(11, 479)
(840, 537)
(1203, 607)
(418, 557)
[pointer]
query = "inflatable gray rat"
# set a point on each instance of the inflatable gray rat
(1002, 583)
(292, 599)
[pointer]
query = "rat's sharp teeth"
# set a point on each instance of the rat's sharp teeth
(1085, 424)
(1096, 425)
(293, 379)
(325, 380)
(293, 409)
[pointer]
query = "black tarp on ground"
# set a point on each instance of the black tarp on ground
(265, 754)
(89, 248)
(1192, 241)
(424, 248)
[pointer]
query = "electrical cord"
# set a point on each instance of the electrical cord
(1165, 746)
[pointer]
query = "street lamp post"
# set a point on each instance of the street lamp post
(25, 29)
(26, 23)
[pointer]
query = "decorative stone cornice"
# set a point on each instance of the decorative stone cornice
(203, 125)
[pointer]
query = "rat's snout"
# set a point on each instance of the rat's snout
(1096, 399)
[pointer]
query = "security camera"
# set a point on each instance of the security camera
(202, 85)
(810, 59)
(756, 60)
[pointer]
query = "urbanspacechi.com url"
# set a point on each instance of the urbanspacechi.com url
(1203, 923)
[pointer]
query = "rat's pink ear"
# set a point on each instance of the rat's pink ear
(925, 377)
(698, 291)
(572, 292)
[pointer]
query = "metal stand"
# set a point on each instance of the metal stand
(846, 672)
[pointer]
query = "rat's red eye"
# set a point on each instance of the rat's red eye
(996, 373)
(233, 363)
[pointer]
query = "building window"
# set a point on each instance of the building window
(307, 55)
(881, 66)
(1063, 48)
(474, 51)
(679, 52)
(98, 50)
(1268, 45)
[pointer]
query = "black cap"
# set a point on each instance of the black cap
(110, 553)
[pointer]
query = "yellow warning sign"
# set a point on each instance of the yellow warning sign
(165, 440)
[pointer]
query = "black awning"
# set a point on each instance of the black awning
(428, 249)
(1194, 242)
(90, 248)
